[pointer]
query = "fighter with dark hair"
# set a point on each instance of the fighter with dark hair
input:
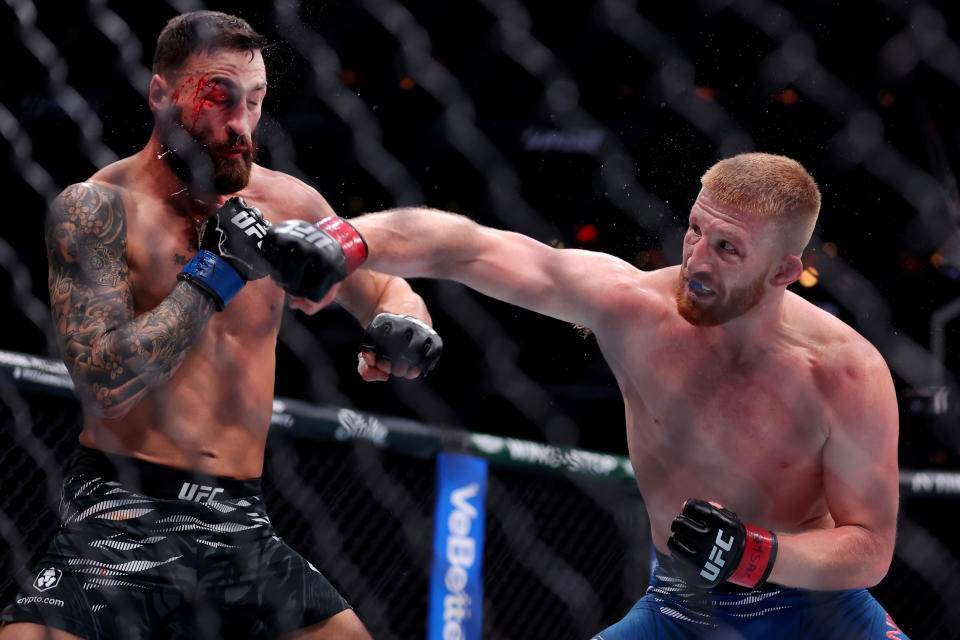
(168, 325)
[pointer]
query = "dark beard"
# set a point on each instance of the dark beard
(199, 165)
(740, 301)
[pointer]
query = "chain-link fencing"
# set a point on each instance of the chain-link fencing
(584, 125)
(567, 543)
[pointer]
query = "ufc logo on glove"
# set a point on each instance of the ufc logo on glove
(249, 223)
(711, 569)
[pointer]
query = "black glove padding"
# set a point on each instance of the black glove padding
(234, 233)
(712, 546)
(308, 260)
(394, 337)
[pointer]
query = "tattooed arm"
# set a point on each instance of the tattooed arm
(114, 358)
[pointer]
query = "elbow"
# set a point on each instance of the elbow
(876, 580)
(876, 566)
(873, 575)
(878, 569)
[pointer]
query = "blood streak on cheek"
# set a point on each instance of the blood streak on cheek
(176, 93)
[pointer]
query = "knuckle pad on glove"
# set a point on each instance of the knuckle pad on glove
(305, 261)
(412, 345)
(681, 547)
(697, 508)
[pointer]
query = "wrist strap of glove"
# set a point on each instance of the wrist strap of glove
(757, 559)
(214, 276)
(354, 246)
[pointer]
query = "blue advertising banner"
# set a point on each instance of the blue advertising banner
(456, 575)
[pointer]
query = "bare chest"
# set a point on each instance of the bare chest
(701, 423)
(747, 436)
(160, 243)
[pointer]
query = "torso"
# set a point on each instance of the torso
(214, 412)
(744, 431)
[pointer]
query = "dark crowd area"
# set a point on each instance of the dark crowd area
(583, 124)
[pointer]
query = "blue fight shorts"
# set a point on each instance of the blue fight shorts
(674, 610)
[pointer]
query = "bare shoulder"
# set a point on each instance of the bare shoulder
(92, 207)
(117, 177)
(282, 196)
(655, 290)
(847, 369)
(101, 202)
(633, 298)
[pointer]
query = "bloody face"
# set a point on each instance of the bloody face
(209, 129)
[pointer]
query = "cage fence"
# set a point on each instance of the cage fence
(593, 120)
(567, 548)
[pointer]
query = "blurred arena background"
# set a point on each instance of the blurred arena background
(580, 123)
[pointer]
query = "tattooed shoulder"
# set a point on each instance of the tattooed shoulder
(87, 231)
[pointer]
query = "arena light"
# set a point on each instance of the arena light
(788, 97)
(810, 277)
(586, 233)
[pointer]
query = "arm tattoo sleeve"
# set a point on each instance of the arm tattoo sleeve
(113, 357)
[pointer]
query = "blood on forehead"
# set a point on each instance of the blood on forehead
(208, 79)
(241, 68)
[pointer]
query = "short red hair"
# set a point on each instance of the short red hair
(772, 187)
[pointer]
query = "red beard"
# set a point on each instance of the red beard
(738, 302)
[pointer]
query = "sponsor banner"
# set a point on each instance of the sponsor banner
(411, 438)
(526, 453)
(456, 574)
(930, 483)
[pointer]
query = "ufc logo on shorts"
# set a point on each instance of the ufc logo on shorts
(198, 493)
(248, 222)
(711, 569)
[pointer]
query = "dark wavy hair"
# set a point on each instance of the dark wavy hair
(202, 31)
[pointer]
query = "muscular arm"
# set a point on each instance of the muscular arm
(860, 481)
(114, 358)
(583, 287)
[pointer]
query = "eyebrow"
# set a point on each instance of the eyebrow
(733, 236)
(227, 82)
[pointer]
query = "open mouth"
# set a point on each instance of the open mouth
(698, 290)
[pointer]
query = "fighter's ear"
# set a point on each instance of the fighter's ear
(788, 271)
(159, 95)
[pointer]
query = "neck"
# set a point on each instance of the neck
(756, 326)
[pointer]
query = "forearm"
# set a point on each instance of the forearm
(417, 241)
(845, 557)
(116, 368)
(366, 294)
